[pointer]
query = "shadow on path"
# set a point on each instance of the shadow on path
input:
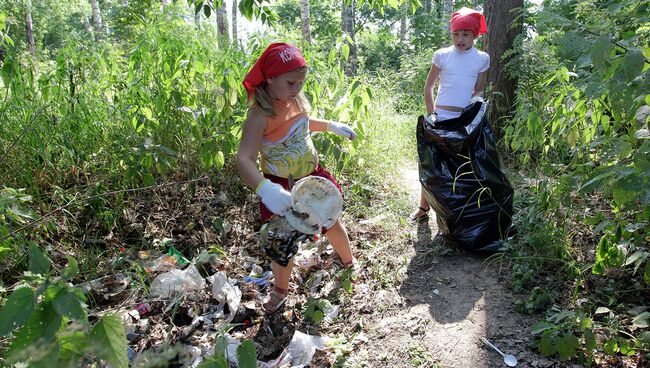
(460, 296)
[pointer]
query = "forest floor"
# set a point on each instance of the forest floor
(435, 314)
(417, 303)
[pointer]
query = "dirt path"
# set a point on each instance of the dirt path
(446, 300)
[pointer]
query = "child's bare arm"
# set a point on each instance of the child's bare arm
(249, 146)
(317, 125)
(480, 84)
(428, 88)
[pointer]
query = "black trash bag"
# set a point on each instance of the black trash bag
(460, 171)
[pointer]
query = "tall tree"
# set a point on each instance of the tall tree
(427, 6)
(222, 23)
(234, 22)
(448, 8)
(403, 23)
(197, 19)
(97, 19)
(304, 21)
(504, 24)
(347, 26)
(29, 31)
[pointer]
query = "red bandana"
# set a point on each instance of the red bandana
(467, 18)
(277, 59)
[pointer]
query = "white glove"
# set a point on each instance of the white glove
(274, 197)
(476, 99)
(341, 130)
(431, 118)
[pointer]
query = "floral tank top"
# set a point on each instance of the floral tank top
(287, 148)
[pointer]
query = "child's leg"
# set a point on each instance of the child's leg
(338, 237)
(423, 209)
(282, 274)
(278, 295)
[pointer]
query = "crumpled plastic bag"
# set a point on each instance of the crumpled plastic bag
(299, 353)
(177, 281)
(225, 290)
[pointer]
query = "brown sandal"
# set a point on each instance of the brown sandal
(274, 302)
(425, 214)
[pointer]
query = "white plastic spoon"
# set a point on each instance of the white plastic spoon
(510, 360)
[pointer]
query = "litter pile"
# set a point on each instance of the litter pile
(178, 310)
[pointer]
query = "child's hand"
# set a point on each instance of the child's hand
(431, 118)
(476, 99)
(342, 130)
(274, 197)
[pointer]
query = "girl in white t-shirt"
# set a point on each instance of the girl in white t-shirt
(461, 71)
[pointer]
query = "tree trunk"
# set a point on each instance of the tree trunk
(97, 19)
(165, 3)
(222, 24)
(86, 23)
(403, 24)
(427, 6)
(503, 25)
(31, 45)
(304, 19)
(234, 22)
(347, 25)
(448, 8)
(197, 19)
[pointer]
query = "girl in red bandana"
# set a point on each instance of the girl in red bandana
(461, 71)
(278, 130)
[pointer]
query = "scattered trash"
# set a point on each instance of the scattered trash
(207, 263)
(307, 258)
(510, 360)
(261, 280)
(180, 259)
(176, 281)
(143, 309)
(315, 280)
(163, 263)
(108, 289)
(299, 353)
(130, 353)
(225, 290)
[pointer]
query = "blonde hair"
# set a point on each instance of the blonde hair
(264, 101)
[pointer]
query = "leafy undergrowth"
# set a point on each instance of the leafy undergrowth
(215, 225)
(592, 300)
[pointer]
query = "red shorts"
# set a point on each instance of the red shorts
(265, 213)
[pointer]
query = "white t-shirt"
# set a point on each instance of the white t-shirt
(459, 71)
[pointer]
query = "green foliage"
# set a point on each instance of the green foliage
(316, 310)
(379, 49)
(579, 126)
(567, 334)
(37, 317)
(247, 354)
(538, 301)
(324, 20)
(108, 341)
